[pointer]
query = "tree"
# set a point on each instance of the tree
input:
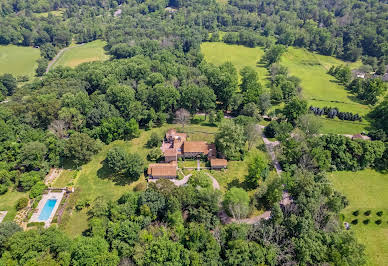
(7, 229)
(154, 140)
(182, 116)
(243, 252)
(294, 109)
(236, 203)
(135, 166)
(250, 86)
(257, 171)
(42, 66)
(230, 140)
(33, 154)
(117, 160)
(9, 82)
(198, 99)
(48, 51)
(380, 116)
(155, 154)
(80, 148)
(253, 133)
(309, 124)
(273, 54)
(265, 103)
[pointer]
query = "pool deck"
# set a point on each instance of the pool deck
(2, 215)
(50, 195)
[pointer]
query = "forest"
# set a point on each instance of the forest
(66, 116)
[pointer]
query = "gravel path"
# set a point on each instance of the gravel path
(270, 146)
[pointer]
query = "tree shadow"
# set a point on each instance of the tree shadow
(237, 183)
(120, 179)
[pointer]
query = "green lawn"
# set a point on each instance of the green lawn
(57, 13)
(366, 190)
(319, 88)
(18, 60)
(64, 179)
(8, 202)
(92, 51)
(241, 56)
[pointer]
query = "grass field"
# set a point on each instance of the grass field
(18, 60)
(8, 202)
(218, 53)
(319, 88)
(366, 190)
(92, 51)
(64, 179)
(57, 13)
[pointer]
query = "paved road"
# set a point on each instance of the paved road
(52, 62)
(216, 185)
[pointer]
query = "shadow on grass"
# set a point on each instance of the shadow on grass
(120, 179)
(237, 183)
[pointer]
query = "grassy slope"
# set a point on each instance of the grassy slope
(18, 60)
(8, 202)
(218, 53)
(366, 190)
(93, 51)
(318, 86)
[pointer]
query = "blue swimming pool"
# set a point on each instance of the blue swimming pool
(47, 209)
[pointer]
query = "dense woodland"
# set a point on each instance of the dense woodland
(65, 117)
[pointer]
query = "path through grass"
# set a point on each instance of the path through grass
(366, 190)
(73, 56)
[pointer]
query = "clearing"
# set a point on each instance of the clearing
(319, 88)
(73, 56)
(366, 190)
(18, 60)
(8, 203)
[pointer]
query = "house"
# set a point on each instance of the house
(172, 145)
(217, 164)
(162, 170)
(192, 149)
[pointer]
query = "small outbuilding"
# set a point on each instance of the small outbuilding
(218, 164)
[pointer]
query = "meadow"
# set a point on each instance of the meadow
(366, 190)
(319, 88)
(75, 55)
(18, 60)
(8, 202)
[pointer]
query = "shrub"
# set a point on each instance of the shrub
(3, 189)
(356, 213)
(21, 203)
(154, 140)
(141, 186)
(378, 222)
(366, 221)
(39, 224)
(355, 221)
(379, 213)
(367, 213)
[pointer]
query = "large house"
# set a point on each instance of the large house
(175, 146)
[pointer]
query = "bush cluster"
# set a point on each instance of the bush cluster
(330, 112)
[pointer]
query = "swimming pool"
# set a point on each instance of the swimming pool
(47, 209)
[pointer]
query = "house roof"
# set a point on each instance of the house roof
(162, 169)
(218, 162)
(196, 146)
(170, 152)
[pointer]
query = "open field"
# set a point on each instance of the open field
(366, 190)
(8, 202)
(57, 13)
(73, 56)
(18, 60)
(336, 126)
(241, 56)
(319, 88)
(64, 179)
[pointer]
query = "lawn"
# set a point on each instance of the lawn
(319, 88)
(64, 179)
(56, 13)
(18, 60)
(8, 202)
(241, 56)
(366, 190)
(92, 181)
(73, 56)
